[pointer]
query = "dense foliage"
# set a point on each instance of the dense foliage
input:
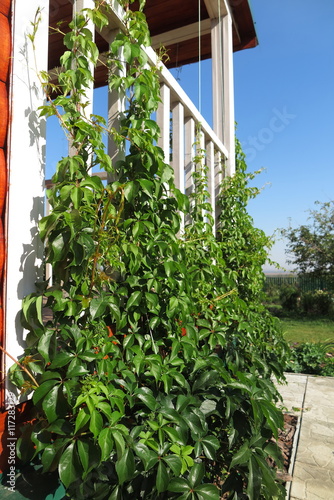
(311, 246)
(154, 377)
(312, 358)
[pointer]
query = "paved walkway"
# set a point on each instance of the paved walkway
(312, 399)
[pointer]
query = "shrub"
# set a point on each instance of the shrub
(289, 297)
(311, 358)
(153, 379)
(318, 302)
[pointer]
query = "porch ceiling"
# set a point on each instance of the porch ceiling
(172, 23)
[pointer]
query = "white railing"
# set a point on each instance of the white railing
(181, 124)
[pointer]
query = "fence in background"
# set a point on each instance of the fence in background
(304, 283)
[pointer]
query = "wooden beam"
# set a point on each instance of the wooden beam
(180, 34)
(215, 10)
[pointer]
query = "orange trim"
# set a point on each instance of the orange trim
(5, 55)
(5, 7)
(5, 47)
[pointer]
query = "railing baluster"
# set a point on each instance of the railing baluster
(163, 119)
(210, 161)
(189, 154)
(218, 178)
(178, 148)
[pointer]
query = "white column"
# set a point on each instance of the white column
(26, 162)
(189, 154)
(78, 5)
(116, 108)
(222, 85)
(210, 161)
(163, 120)
(178, 149)
(229, 119)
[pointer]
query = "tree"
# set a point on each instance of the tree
(311, 246)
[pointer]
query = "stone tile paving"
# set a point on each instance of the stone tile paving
(313, 472)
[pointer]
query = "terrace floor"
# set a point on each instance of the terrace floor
(312, 462)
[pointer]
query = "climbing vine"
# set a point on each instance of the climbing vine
(153, 379)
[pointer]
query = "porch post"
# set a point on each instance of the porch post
(26, 162)
(116, 110)
(178, 149)
(87, 110)
(222, 85)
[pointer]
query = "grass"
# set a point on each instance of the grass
(297, 329)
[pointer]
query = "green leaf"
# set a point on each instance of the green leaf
(196, 474)
(76, 368)
(242, 456)
(51, 404)
(147, 456)
(172, 306)
(174, 463)
(179, 485)
(52, 453)
(96, 423)
(106, 443)
(82, 419)
(254, 477)
(58, 247)
(61, 359)
(207, 492)
(134, 300)
(147, 398)
(125, 466)
(162, 478)
(83, 452)
(130, 191)
(69, 467)
(98, 306)
(44, 389)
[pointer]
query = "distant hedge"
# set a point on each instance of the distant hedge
(304, 283)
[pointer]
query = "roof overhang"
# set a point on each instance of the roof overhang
(173, 24)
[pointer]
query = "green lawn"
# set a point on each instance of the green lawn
(308, 330)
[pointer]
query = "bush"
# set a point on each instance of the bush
(290, 297)
(311, 358)
(317, 302)
(153, 378)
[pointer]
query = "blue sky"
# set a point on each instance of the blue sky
(284, 106)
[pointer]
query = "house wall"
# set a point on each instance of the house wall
(25, 168)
